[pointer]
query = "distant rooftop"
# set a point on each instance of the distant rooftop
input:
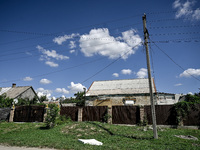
(13, 92)
(116, 87)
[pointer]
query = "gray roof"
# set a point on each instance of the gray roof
(118, 87)
(14, 92)
(4, 90)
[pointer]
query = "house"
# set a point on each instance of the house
(168, 98)
(16, 92)
(119, 92)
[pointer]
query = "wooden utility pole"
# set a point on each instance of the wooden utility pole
(149, 76)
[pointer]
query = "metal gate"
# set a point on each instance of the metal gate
(125, 114)
(29, 114)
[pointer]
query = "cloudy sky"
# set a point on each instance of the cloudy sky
(61, 47)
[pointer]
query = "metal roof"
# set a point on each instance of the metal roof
(116, 87)
(14, 92)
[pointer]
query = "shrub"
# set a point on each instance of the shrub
(5, 101)
(182, 109)
(52, 114)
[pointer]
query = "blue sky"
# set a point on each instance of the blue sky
(60, 47)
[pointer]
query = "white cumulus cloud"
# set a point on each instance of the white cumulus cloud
(62, 90)
(142, 73)
(51, 64)
(51, 54)
(60, 39)
(178, 84)
(100, 42)
(186, 10)
(72, 51)
(115, 75)
(42, 92)
(189, 72)
(74, 88)
(72, 44)
(28, 79)
(126, 71)
(45, 81)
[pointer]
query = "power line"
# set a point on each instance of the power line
(49, 73)
(57, 33)
(186, 40)
(173, 60)
(171, 34)
(3, 60)
(108, 65)
(180, 26)
(51, 42)
(101, 70)
(164, 20)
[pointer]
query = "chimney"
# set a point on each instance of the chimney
(13, 85)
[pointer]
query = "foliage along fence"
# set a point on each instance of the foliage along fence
(120, 114)
(131, 114)
(166, 116)
(29, 114)
(193, 118)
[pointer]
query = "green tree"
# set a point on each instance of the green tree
(193, 98)
(43, 98)
(5, 101)
(80, 98)
(182, 109)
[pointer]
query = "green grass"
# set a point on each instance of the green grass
(113, 136)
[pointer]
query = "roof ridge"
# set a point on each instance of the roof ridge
(121, 79)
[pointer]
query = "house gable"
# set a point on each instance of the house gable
(19, 92)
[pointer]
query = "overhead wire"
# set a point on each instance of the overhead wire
(171, 34)
(174, 60)
(53, 46)
(3, 60)
(53, 72)
(98, 72)
(178, 26)
(58, 33)
(186, 40)
(104, 38)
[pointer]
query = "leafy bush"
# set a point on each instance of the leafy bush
(182, 109)
(5, 101)
(52, 114)
(53, 118)
(106, 117)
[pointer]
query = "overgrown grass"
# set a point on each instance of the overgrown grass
(113, 136)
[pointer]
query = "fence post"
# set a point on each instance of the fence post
(12, 112)
(45, 112)
(110, 114)
(141, 113)
(80, 114)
